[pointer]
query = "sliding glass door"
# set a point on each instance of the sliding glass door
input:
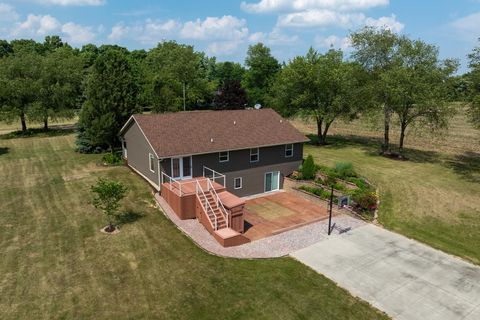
(272, 181)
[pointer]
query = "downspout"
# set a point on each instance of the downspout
(160, 174)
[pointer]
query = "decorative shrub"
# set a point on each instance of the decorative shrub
(308, 168)
(365, 199)
(344, 170)
(322, 193)
(112, 158)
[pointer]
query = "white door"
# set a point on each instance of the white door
(272, 181)
(182, 168)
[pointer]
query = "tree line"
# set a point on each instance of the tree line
(401, 78)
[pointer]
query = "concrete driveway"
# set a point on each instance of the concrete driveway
(399, 276)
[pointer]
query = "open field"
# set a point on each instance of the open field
(56, 264)
(434, 197)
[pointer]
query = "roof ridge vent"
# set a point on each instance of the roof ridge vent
(234, 122)
(211, 140)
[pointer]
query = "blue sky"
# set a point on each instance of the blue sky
(225, 28)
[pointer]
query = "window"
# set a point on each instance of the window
(151, 159)
(238, 183)
(223, 156)
(254, 155)
(288, 150)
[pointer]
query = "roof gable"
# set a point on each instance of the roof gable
(197, 132)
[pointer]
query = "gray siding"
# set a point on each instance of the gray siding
(138, 150)
(239, 165)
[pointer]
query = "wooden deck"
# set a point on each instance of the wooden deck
(278, 212)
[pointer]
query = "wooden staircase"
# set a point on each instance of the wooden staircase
(215, 215)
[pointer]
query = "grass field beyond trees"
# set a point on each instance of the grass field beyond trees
(56, 264)
(433, 197)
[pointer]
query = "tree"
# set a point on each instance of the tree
(227, 71)
(5, 48)
(59, 86)
(231, 96)
(374, 49)
(322, 87)
(416, 86)
(308, 168)
(262, 68)
(174, 77)
(474, 86)
(19, 83)
(107, 197)
(111, 98)
(52, 43)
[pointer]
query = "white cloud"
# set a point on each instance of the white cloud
(332, 41)
(302, 5)
(468, 27)
(220, 48)
(148, 32)
(36, 25)
(325, 18)
(276, 38)
(320, 18)
(72, 2)
(226, 27)
(389, 23)
(77, 34)
(7, 13)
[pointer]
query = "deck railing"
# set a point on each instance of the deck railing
(207, 173)
(171, 182)
(206, 205)
(218, 201)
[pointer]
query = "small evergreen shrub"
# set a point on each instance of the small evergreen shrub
(308, 168)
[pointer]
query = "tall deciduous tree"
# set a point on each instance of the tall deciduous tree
(19, 85)
(474, 86)
(174, 77)
(375, 49)
(261, 70)
(111, 98)
(59, 86)
(416, 86)
(231, 96)
(322, 87)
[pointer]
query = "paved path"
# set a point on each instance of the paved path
(275, 246)
(402, 277)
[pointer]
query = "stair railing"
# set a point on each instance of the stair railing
(206, 205)
(218, 201)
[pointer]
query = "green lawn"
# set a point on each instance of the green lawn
(56, 264)
(434, 197)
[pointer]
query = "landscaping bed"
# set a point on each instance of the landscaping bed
(318, 181)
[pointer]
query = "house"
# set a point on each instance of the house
(193, 158)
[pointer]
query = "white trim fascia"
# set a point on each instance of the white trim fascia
(141, 130)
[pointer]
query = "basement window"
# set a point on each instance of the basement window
(238, 183)
(288, 150)
(151, 160)
(254, 155)
(223, 156)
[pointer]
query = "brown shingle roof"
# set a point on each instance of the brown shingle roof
(185, 133)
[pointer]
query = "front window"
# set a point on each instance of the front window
(152, 162)
(223, 156)
(237, 183)
(288, 150)
(254, 155)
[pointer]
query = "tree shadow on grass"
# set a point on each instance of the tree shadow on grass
(4, 150)
(39, 132)
(128, 217)
(467, 165)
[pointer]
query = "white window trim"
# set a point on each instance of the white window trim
(257, 153)
(288, 149)
(241, 183)
(220, 157)
(151, 160)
